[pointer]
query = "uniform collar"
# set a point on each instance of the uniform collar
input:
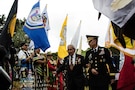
(95, 49)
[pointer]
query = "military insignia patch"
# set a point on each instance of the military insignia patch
(102, 52)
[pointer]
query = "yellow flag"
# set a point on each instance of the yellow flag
(112, 40)
(62, 52)
(9, 27)
(12, 25)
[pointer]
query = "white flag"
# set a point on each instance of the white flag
(75, 39)
(118, 11)
(119, 4)
(45, 18)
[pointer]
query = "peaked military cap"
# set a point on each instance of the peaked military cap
(91, 37)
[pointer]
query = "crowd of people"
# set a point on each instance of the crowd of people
(74, 72)
(35, 67)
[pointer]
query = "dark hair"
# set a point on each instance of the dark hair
(23, 43)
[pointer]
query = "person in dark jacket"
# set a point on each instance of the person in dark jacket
(99, 62)
(115, 58)
(73, 64)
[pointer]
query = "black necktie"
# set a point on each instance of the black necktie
(71, 61)
(94, 50)
(71, 64)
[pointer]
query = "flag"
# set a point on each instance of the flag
(112, 40)
(62, 52)
(118, 11)
(80, 47)
(75, 38)
(128, 28)
(127, 75)
(119, 4)
(34, 28)
(46, 19)
(126, 79)
(9, 27)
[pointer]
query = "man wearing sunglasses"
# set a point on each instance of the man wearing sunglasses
(98, 59)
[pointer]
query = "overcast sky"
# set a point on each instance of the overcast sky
(57, 10)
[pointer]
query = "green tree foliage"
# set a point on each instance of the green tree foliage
(19, 35)
(2, 21)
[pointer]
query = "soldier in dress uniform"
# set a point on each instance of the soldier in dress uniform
(98, 59)
(73, 64)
